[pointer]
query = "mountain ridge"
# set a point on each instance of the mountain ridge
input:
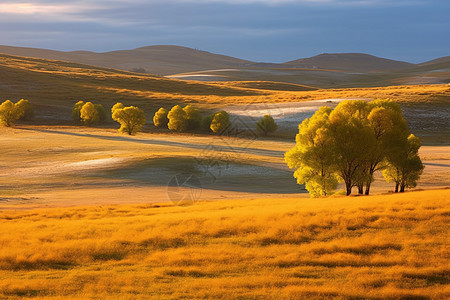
(169, 59)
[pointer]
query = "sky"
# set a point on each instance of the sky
(257, 30)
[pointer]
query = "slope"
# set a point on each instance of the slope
(57, 84)
(161, 60)
(354, 62)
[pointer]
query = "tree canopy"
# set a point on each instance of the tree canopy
(10, 112)
(160, 118)
(266, 125)
(27, 108)
(130, 118)
(220, 122)
(177, 119)
(193, 116)
(351, 143)
(88, 113)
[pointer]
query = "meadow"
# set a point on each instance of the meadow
(87, 212)
(376, 247)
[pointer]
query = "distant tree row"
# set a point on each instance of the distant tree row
(11, 112)
(350, 143)
(132, 119)
(189, 118)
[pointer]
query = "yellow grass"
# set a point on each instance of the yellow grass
(385, 246)
(57, 83)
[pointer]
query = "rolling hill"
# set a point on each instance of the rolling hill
(345, 70)
(350, 62)
(161, 60)
(56, 85)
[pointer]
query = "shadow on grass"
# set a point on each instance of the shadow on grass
(216, 148)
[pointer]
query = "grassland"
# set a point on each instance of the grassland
(56, 83)
(54, 86)
(378, 247)
(85, 213)
(67, 165)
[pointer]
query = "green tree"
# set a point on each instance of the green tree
(9, 112)
(89, 114)
(206, 122)
(193, 116)
(131, 118)
(312, 156)
(405, 166)
(101, 112)
(352, 140)
(116, 106)
(220, 122)
(177, 119)
(388, 127)
(27, 108)
(160, 119)
(76, 115)
(266, 125)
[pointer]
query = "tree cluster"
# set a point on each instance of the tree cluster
(10, 112)
(350, 143)
(88, 113)
(189, 118)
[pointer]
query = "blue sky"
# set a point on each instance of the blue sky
(259, 30)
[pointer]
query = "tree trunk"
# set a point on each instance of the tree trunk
(360, 189)
(396, 187)
(348, 186)
(367, 188)
(402, 188)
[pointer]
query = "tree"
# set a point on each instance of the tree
(351, 143)
(131, 118)
(206, 122)
(9, 112)
(266, 125)
(193, 116)
(177, 119)
(76, 115)
(388, 127)
(27, 108)
(101, 112)
(352, 139)
(160, 119)
(116, 106)
(312, 156)
(89, 114)
(220, 122)
(405, 166)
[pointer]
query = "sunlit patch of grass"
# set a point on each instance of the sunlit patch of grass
(339, 247)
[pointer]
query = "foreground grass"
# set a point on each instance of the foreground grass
(387, 246)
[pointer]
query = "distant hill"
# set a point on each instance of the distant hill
(322, 71)
(436, 61)
(350, 62)
(161, 60)
(54, 86)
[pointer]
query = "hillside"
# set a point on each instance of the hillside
(352, 62)
(437, 60)
(345, 70)
(56, 84)
(162, 60)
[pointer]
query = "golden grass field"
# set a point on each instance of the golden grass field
(376, 247)
(57, 83)
(85, 212)
(70, 229)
